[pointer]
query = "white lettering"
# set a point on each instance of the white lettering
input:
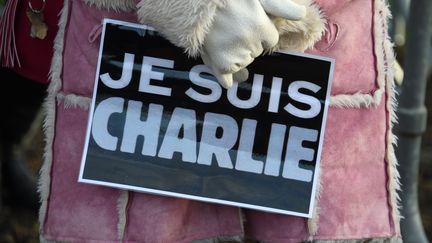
(244, 161)
(126, 76)
(296, 152)
(148, 74)
(275, 95)
(274, 151)
(314, 103)
(101, 116)
(135, 127)
(180, 119)
(213, 86)
(219, 146)
(255, 94)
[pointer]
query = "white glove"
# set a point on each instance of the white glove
(242, 31)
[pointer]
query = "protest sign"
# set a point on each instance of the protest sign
(160, 123)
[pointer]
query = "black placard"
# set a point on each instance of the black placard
(160, 123)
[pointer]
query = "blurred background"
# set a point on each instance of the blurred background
(410, 30)
(412, 42)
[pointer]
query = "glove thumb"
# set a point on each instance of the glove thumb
(242, 75)
(224, 79)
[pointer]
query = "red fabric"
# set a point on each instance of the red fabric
(7, 42)
(35, 55)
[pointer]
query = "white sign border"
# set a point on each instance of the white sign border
(199, 198)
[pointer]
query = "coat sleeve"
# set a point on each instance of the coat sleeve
(183, 22)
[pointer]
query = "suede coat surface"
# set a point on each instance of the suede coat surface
(357, 198)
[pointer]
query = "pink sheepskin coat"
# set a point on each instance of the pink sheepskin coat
(357, 198)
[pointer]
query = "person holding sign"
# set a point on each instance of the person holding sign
(358, 196)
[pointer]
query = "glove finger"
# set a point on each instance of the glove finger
(284, 8)
(224, 79)
(241, 75)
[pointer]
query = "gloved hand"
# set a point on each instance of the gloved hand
(242, 31)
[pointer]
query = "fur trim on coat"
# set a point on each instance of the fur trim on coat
(114, 5)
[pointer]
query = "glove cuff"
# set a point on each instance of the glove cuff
(183, 22)
(303, 34)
